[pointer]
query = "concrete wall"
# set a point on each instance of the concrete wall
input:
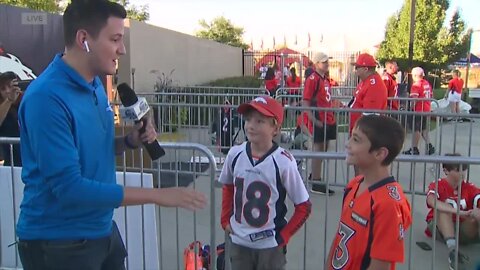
(194, 60)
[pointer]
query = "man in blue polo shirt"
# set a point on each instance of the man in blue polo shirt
(68, 149)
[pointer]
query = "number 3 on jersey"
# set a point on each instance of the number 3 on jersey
(341, 256)
(255, 209)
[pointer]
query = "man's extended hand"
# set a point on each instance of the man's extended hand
(183, 197)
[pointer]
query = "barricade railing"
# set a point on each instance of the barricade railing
(153, 235)
(219, 127)
(304, 249)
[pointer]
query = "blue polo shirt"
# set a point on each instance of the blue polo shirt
(68, 152)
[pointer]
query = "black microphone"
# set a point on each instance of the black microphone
(136, 110)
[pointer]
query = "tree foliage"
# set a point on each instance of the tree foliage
(222, 30)
(53, 6)
(139, 13)
(435, 45)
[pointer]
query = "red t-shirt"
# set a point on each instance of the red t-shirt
(271, 85)
(323, 96)
(455, 84)
(372, 225)
(469, 198)
(303, 119)
(294, 84)
(371, 93)
(422, 89)
(391, 83)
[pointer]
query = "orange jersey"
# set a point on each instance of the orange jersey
(371, 93)
(422, 89)
(391, 83)
(455, 84)
(318, 88)
(372, 225)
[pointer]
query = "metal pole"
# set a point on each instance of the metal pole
(133, 78)
(243, 63)
(469, 55)
(410, 42)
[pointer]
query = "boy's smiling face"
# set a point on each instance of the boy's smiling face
(259, 128)
(358, 150)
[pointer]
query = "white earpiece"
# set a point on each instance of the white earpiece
(85, 43)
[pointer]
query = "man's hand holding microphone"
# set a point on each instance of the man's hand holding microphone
(135, 109)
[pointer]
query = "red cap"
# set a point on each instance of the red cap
(265, 105)
(365, 60)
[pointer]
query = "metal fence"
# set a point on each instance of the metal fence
(341, 69)
(202, 110)
(154, 237)
(320, 229)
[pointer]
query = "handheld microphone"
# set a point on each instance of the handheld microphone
(135, 109)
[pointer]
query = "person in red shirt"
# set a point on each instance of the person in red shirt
(421, 92)
(316, 94)
(303, 133)
(371, 92)
(271, 83)
(293, 81)
(454, 93)
(444, 192)
(390, 81)
(375, 212)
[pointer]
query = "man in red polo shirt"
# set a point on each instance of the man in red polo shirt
(390, 81)
(454, 93)
(421, 91)
(371, 92)
(316, 94)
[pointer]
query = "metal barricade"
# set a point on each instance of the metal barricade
(153, 235)
(303, 250)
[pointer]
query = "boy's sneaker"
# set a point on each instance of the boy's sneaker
(412, 151)
(321, 188)
(431, 149)
(462, 259)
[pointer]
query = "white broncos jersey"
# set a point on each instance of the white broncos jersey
(260, 189)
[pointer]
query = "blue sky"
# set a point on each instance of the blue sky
(334, 25)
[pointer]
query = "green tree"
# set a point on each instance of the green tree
(41, 5)
(435, 45)
(139, 13)
(222, 30)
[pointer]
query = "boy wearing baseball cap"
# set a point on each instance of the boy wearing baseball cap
(257, 176)
(421, 92)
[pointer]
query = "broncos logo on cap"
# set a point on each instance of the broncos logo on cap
(260, 99)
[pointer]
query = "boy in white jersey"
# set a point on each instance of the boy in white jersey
(257, 176)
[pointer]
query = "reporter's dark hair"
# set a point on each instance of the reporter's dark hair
(90, 15)
(7, 77)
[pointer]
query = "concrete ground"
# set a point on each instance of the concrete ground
(309, 246)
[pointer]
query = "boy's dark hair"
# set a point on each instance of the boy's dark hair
(383, 131)
(7, 77)
(91, 15)
(454, 166)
